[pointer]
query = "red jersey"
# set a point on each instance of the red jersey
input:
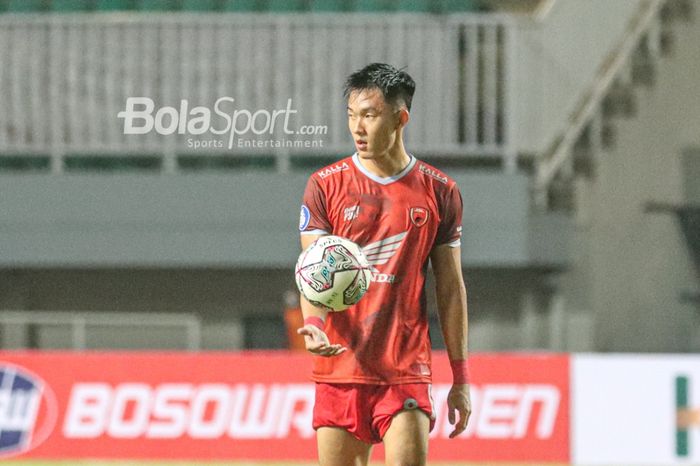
(396, 221)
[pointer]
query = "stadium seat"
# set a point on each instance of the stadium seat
(223, 162)
(241, 5)
(157, 5)
(26, 6)
(114, 5)
(72, 5)
(200, 5)
(328, 5)
(24, 163)
(117, 163)
(419, 6)
(373, 5)
(282, 6)
(455, 6)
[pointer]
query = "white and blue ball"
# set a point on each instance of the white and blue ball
(333, 273)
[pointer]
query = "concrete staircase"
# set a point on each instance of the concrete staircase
(621, 103)
(632, 282)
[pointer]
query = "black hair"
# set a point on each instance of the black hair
(395, 85)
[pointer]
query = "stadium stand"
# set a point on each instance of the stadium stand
(372, 6)
(284, 6)
(71, 5)
(25, 6)
(116, 163)
(157, 5)
(242, 5)
(25, 163)
(270, 6)
(329, 5)
(113, 5)
(199, 5)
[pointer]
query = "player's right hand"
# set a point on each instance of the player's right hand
(459, 401)
(317, 342)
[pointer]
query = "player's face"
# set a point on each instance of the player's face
(373, 123)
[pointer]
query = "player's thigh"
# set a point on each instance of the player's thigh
(406, 440)
(338, 447)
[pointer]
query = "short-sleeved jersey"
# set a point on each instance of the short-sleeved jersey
(397, 221)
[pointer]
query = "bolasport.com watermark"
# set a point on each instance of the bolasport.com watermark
(229, 126)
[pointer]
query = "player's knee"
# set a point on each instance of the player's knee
(410, 454)
(406, 440)
(419, 460)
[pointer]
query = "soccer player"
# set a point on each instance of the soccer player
(373, 369)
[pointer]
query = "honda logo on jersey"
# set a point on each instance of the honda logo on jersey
(419, 216)
(379, 253)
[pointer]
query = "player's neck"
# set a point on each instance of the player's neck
(388, 164)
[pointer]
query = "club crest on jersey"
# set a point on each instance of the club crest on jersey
(419, 216)
(338, 167)
(27, 413)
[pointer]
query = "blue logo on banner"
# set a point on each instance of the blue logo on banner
(21, 396)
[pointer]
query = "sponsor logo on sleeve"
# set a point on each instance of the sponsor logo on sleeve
(304, 218)
(332, 170)
(433, 173)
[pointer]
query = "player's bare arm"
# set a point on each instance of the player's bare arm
(315, 338)
(452, 309)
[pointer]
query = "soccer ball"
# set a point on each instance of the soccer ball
(333, 273)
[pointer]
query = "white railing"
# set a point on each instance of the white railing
(64, 78)
(184, 331)
(559, 52)
(554, 158)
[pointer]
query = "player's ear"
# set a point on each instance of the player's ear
(403, 117)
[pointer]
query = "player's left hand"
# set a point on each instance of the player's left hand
(317, 342)
(458, 400)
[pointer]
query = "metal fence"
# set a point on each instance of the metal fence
(65, 78)
(95, 330)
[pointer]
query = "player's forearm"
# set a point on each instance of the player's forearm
(452, 309)
(309, 310)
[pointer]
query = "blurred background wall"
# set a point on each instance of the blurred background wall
(571, 128)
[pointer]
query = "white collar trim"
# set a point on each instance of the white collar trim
(379, 179)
